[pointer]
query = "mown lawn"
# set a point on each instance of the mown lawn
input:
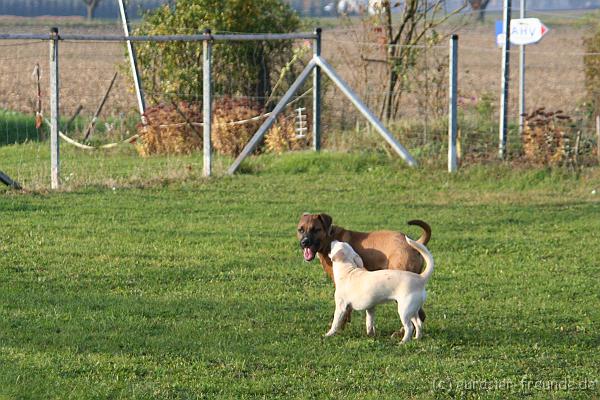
(198, 289)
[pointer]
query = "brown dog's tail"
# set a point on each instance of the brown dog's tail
(424, 239)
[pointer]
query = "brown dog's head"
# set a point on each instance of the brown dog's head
(314, 233)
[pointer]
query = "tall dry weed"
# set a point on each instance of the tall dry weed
(228, 138)
(169, 130)
(548, 138)
(283, 136)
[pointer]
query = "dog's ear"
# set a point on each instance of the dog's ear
(333, 253)
(327, 223)
(332, 250)
(357, 260)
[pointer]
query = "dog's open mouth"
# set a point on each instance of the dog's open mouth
(309, 254)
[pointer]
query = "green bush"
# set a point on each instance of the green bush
(174, 69)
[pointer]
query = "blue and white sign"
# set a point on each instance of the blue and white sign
(526, 31)
(523, 31)
(499, 33)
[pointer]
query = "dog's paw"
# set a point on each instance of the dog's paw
(371, 332)
(330, 333)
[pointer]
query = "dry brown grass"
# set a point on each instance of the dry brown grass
(555, 80)
(86, 69)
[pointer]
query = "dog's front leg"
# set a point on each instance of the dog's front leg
(371, 321)
(338, 317)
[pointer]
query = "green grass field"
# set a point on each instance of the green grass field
(197, 288)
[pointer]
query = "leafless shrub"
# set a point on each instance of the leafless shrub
(229, 139)
(169, 130)
(548, 138)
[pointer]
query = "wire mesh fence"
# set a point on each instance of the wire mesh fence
(555, 82)
(24, 88)
(419, 103)
(99, 108)
(103, 141)
(554, 86)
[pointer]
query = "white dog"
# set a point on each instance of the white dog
(359, 289)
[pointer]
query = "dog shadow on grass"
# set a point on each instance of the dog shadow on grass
(473, 334)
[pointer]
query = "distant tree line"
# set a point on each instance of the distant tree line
(103, 8)
(109, 9)
(314, 8)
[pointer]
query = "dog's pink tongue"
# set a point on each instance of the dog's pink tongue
(308, 254)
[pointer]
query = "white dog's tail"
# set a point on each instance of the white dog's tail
(428, 270)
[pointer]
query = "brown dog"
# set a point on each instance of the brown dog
(378, 249)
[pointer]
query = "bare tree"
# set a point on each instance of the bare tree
(479, 7)
(415, 29)
(91, 8)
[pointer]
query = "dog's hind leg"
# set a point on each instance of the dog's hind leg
(405, 318)
(418, 326)
(371, 321)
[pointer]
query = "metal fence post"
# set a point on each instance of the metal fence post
(503, 129)
(598, 136)
(206, 102)
(317, 93)
(522, 76)
(54, 110)
(452, 114)
(133, 63)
